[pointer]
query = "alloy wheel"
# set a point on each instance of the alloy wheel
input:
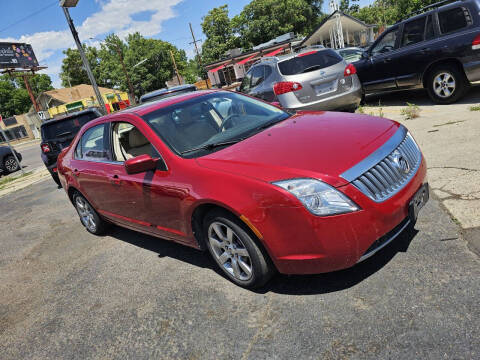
(444, 85)
(87, 214)
(11, 164)
(229, 251)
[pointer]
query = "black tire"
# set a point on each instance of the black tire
(260, 263)
(97, 225)
(10, 165)
(437, 90)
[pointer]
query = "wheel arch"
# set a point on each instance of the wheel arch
(435, 64)
(201, 210)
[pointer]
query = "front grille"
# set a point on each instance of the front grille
(390, 175)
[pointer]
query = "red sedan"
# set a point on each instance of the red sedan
(261, 188)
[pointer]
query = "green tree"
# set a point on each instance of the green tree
(388, 12)
(13, 100)
(263, 20)
(106, 63)
(39, 83)
(218, 29)
(73, 72)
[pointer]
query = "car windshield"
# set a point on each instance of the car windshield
(309, 61)
(67, 127)
(201, 125)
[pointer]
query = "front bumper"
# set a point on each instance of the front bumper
(307, 244)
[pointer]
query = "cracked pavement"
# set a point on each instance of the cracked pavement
(66, 294)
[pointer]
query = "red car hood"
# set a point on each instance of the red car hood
(310, 144)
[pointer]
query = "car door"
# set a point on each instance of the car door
(265, 88)
(88, 164)
(376, 71)
(258, 77)
(414, 46)
(145, 201)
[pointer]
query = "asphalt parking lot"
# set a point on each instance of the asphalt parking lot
(66, 294)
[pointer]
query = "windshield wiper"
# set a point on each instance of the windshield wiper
(311, 68)
(212, 146)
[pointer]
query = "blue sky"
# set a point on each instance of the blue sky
(47, 31)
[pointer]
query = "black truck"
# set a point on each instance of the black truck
(58, 133)
(437, 49)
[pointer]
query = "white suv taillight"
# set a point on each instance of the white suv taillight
(476, 43)
(284, 87)
(350, 70)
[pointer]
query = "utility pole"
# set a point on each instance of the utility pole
(130, 86)
(30, 92)
(175, 66)
(85, 61)
(198, 53)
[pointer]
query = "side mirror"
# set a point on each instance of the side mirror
(237, 89)
(140, 164)
(365, 54)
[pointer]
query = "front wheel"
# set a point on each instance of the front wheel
(446, 84)
(10, 165)
(235, 251)
(88, 216)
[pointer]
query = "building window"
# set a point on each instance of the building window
(10, 121)
(15, 133)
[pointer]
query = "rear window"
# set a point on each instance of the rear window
(311, 62)
(452, 20)
(66, 128)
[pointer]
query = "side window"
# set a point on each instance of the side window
(413, 32)
(452, 20)
(258, 75)
(429, 31)
(129, 142)
(93, 146)
(386, 43)
(247, 80)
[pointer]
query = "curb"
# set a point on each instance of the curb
(23, 182)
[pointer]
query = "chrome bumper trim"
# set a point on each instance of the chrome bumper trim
(393, 237)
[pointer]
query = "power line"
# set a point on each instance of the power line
(29, 16)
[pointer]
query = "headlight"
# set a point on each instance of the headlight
(319, 198)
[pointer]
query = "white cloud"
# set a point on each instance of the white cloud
(115, 16)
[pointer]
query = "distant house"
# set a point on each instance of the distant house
(62, 101)
(17, 128)
(340, 30)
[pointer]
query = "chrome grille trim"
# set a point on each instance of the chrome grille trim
(384, 178)
(378, 155)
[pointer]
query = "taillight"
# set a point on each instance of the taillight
(350, 70)
(476, 43)
(283, 87)
(45, 148)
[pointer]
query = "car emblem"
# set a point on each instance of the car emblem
(400, 162)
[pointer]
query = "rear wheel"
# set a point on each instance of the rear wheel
(235, 251)
(88, 216)
(446, 84)
(10, 164)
